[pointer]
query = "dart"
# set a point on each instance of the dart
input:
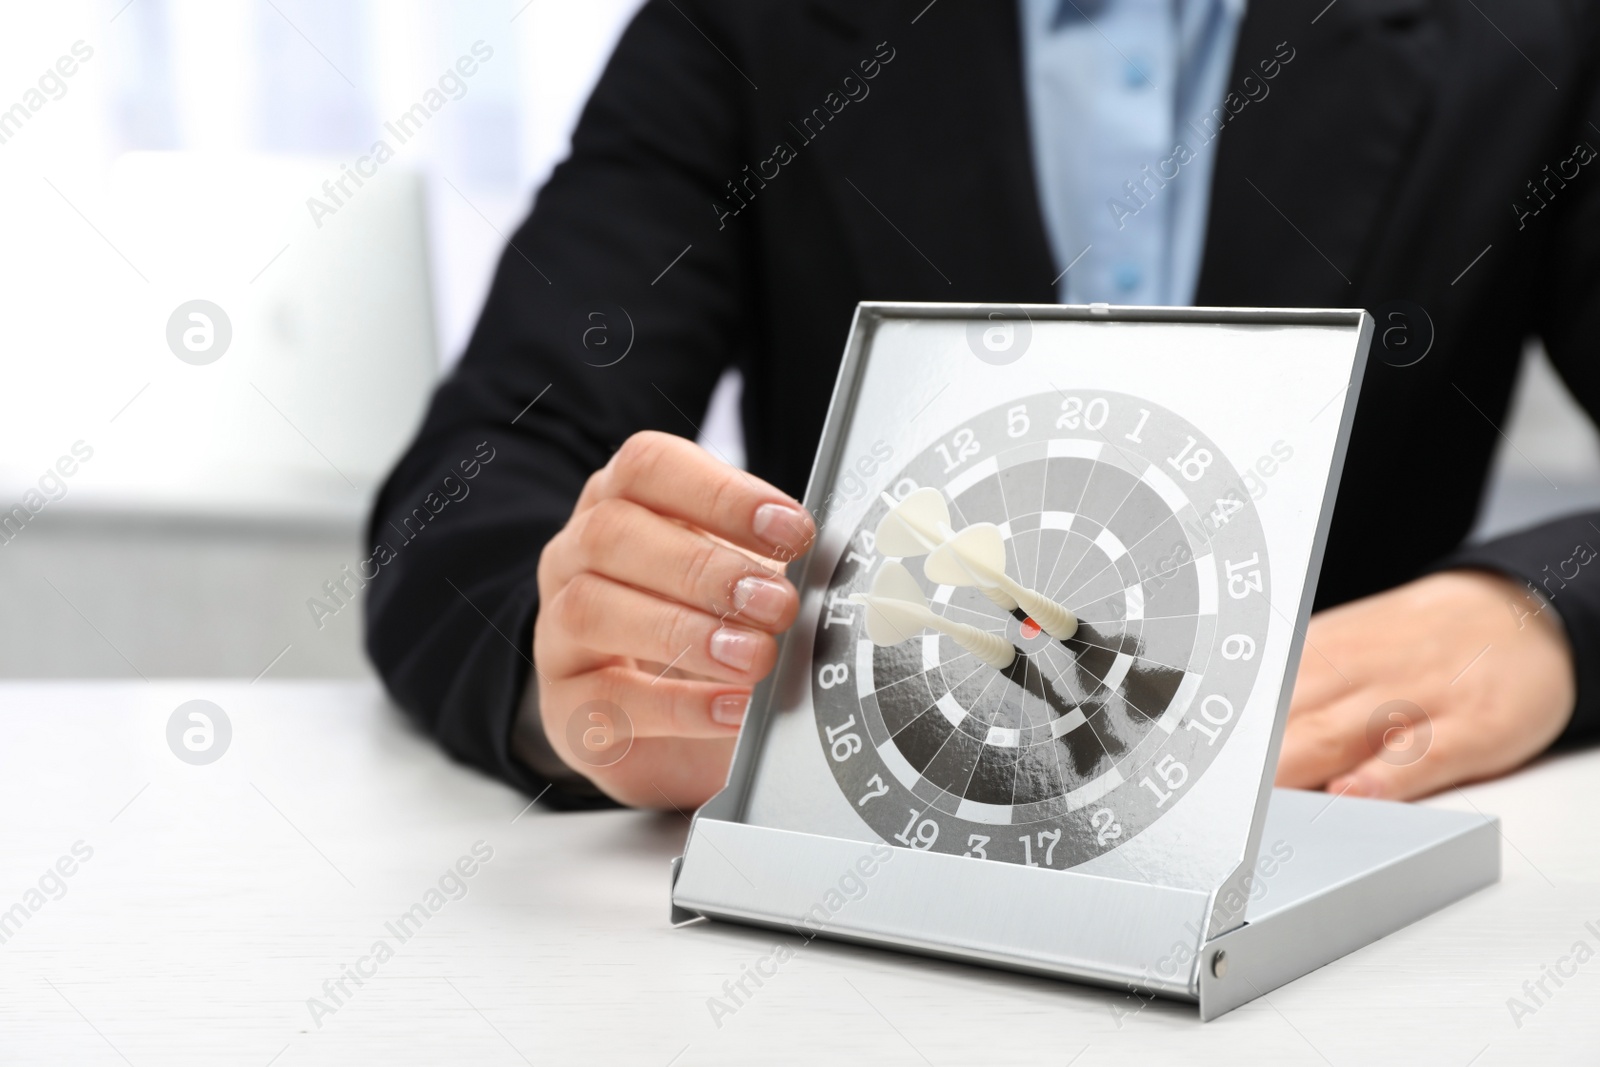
(920, 524)
(977, 557)
(897, 611)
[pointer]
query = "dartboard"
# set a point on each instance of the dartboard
(1128, 516)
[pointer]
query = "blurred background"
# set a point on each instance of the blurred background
(243, 239)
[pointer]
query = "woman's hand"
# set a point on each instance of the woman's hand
(1451, 678)
(659, 599)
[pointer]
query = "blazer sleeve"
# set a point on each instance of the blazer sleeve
(1558, 560)
(614, 308)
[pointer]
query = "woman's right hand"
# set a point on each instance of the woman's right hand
(659, 599)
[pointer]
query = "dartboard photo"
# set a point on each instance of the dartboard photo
(1129, 517)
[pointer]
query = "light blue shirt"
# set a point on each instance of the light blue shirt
(1125, 104)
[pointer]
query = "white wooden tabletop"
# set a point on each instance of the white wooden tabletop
(212, 909)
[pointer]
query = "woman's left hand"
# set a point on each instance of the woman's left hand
(1451, 678)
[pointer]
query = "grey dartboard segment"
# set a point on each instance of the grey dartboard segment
(1090, 739)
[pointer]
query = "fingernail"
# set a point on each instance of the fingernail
(729, 708)
(782, 526)
(735, 648)
(760, 600)
(1357, 787)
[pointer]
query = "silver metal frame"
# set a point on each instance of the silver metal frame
(1366, 867)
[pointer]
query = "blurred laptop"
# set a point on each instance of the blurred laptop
(273, 361)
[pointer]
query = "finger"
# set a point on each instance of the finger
(1414, 759)
(651, 706)
(1321, 743)
(597, 618)
(628, 543)
(1316, 684)
(1389, 776)
(667, 773)
(678, 478)
(1319, 680)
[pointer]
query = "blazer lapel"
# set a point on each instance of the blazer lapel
(1306, 174)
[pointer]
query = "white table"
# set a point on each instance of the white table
(220, 898)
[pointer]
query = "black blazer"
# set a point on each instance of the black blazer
(1401, 150)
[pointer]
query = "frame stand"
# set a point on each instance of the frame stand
(1361, 869)
(1249, 887)
(1334, 874)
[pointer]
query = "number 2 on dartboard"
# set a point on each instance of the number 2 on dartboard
(1106, 826)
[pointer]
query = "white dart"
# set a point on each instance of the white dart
(897, 611)
(920, 524)
(977, 556)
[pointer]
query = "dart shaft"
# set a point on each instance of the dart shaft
(992, 649)
(1056, 620)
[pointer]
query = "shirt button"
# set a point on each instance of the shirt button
(1128, 276)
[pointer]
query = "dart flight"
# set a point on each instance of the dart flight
(973, 557)
(897, 611)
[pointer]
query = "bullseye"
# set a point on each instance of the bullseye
(1030, 629)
